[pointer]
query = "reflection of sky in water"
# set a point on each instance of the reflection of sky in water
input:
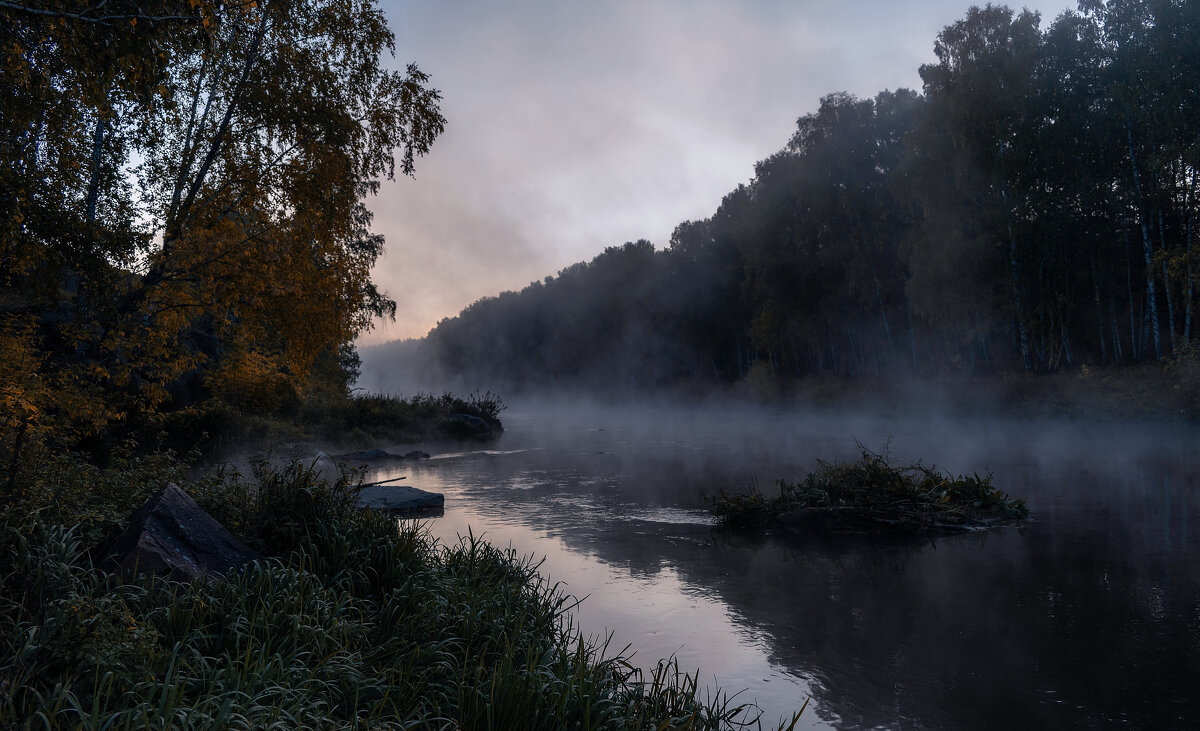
(655, 614)
(1087, 615)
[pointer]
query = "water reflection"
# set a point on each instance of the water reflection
(1088, 615)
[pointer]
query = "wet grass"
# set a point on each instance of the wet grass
(872, 494)
(355, 621)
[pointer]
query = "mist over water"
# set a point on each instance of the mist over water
(1088, 614)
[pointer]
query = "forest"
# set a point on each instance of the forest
(1031, 210)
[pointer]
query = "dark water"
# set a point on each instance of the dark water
(1086, 616)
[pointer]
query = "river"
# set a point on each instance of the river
(1086, 615)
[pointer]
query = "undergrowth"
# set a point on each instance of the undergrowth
(354, 621)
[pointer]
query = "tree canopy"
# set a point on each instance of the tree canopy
(182, 190)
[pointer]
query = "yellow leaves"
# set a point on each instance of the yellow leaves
(15, 403)
(253, 378)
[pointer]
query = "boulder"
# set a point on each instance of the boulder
(378, 455)
(171, 536)
(408, 502)
(468, 426)
(364, 455)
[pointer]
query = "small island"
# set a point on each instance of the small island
(872, 495)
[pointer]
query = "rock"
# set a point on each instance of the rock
(405, 501)
(468, 426)
(365, 455)
(376, 455)
(169, 535)
(473, 421)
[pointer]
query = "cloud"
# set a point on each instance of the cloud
(573, 126)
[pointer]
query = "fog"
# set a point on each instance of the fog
(1086, 614)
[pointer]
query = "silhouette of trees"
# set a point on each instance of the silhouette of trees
(1032, 208)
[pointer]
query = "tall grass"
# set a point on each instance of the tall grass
(354, 621)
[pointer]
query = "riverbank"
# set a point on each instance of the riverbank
(351, 620)
(336, 423)
(1149, 392)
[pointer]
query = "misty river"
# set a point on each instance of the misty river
(1086, 615)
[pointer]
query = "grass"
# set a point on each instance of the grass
(354, 621)
(873, 494)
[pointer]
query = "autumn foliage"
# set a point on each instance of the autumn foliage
(182, 213)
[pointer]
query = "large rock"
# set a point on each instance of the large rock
(378, 455)
(408, 502)
(468, 426)
(171, 536)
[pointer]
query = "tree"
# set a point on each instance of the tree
(971, 140)
(183, 185)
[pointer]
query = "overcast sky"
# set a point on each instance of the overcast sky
(574, 125)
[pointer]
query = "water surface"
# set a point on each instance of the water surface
(1087, 615)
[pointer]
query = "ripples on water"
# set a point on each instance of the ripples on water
(1087, 615)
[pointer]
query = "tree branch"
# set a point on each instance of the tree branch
(98, 19)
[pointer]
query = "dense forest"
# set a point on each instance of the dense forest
(1032, 209)
(182, 219)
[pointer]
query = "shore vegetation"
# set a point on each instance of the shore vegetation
(352, 620)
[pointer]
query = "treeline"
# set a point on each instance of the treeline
(1032, 209)
(182, 222)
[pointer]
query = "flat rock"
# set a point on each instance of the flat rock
(409, 502)
(171, 536)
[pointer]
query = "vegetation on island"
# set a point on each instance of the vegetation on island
(1031, 209)
(871, 495)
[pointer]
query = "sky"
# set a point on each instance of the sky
(574, 125)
